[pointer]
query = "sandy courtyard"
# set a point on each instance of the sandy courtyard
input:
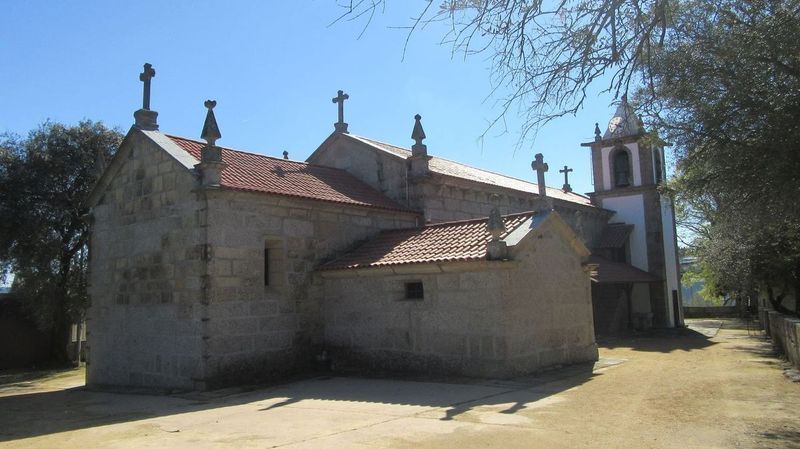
(708, 387)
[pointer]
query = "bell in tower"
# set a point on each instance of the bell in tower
(622, 168)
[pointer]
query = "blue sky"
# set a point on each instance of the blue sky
(273, 67)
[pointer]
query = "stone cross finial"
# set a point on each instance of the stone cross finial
(210, 131)
(340, 126)
(541, 168)
(285, 154)
(597, 136)
(146, 119)
(145, 77)
(566, 187)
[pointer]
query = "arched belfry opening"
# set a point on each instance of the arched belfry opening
(621, 160)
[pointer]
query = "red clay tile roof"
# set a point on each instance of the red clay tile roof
(259, 173)
(609, 272)
(459, 170)
(615, 235)
(441, 242)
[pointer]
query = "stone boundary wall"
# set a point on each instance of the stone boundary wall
(711, 312)
(784, 330)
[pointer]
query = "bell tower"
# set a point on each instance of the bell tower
(627, 167)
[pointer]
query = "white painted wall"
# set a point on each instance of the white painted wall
(635, 168)
(630, 209)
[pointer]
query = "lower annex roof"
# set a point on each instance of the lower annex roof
(442, 242)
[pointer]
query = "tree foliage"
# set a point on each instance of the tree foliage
(44, 180)
(720, 79)
(726, 90)
(545, 54)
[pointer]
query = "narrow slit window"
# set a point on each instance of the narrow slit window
(414, 290)
(274, 265)
(266, 266)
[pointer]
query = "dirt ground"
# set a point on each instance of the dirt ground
(704, 387)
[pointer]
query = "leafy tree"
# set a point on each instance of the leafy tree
(720, 79)
(726, 90)
(44, 180)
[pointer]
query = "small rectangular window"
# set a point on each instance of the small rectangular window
(414, 290)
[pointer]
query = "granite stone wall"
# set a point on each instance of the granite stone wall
(784, 331)
(384, 172)
(177, 275)
(143, 325)
(258, 328)
(482, 319)
(444, 198)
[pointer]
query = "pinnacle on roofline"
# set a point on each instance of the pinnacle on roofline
(419, 151)
(210, 131)
(495, 224)
(418, 134)
(496, 249)
(211, 164)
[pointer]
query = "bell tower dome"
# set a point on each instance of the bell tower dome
(622, 157)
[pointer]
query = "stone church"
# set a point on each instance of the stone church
(211, 265)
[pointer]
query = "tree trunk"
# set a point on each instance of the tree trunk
(60, 339)
(62, 322)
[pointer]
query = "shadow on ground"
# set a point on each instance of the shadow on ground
(695, 336)
(38, 413)
(29, 415)
(783, 438)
